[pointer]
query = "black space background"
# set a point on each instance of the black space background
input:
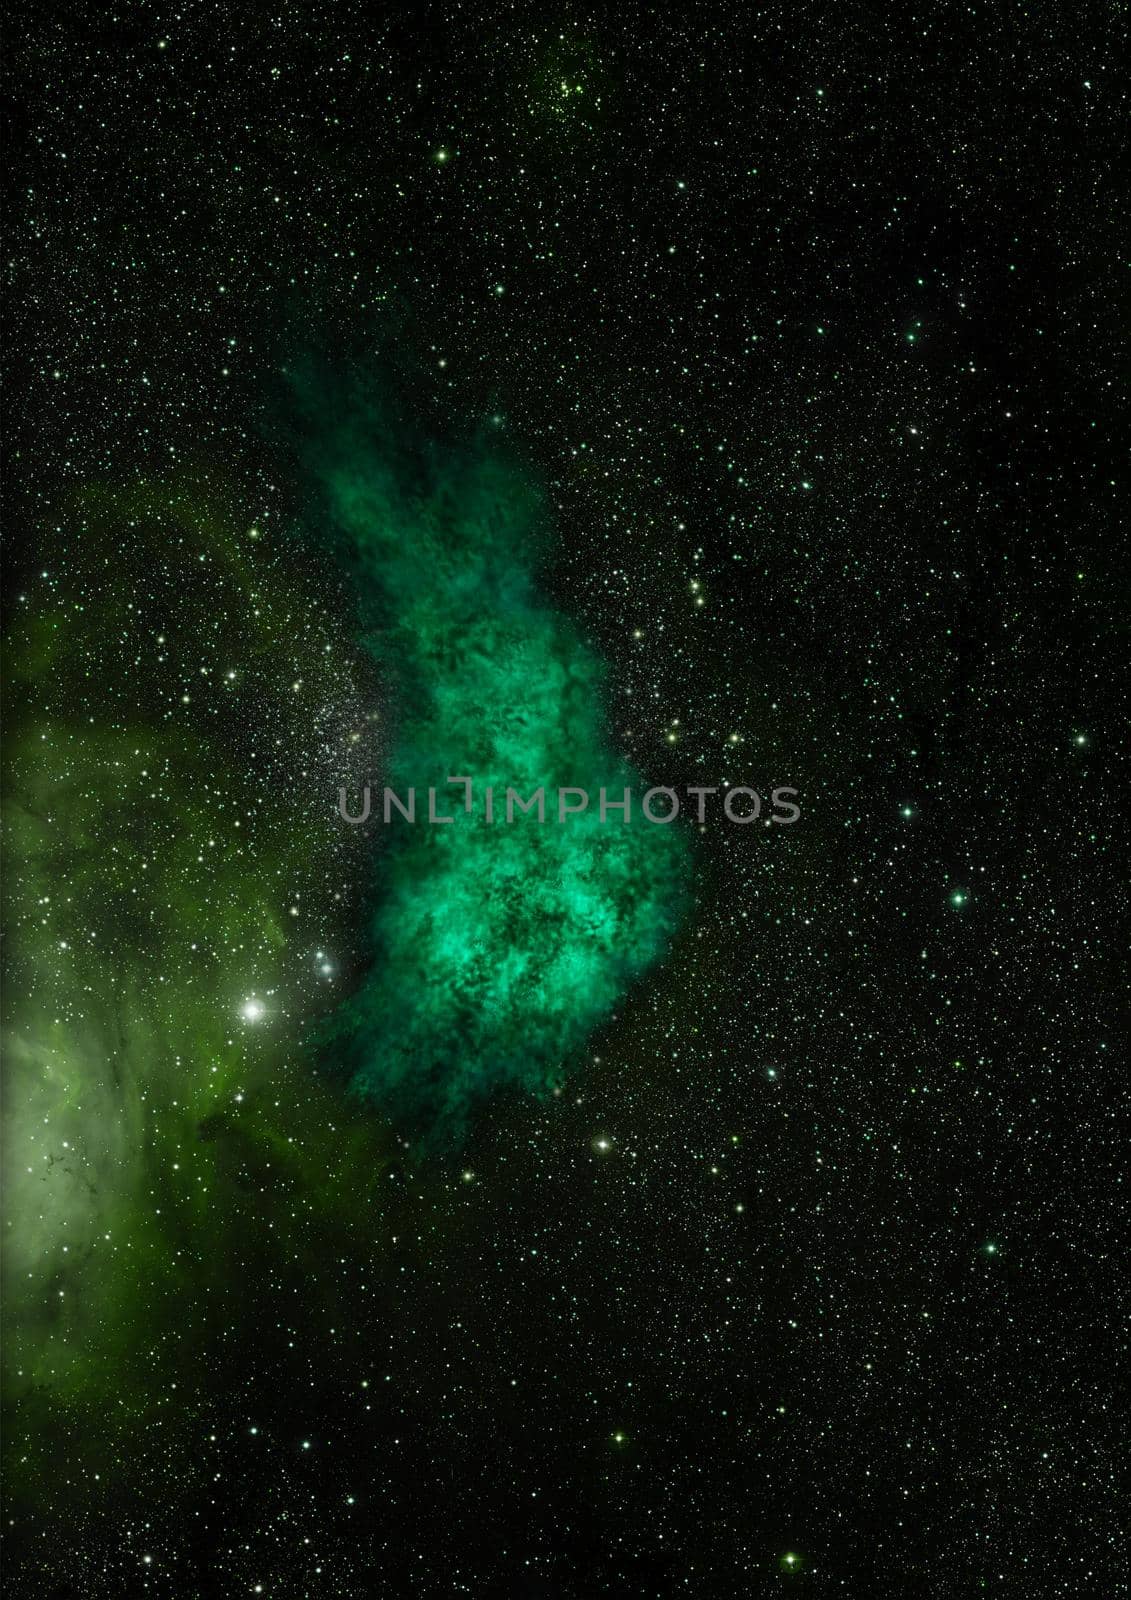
(821, 308)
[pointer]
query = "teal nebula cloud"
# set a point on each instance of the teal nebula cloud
(496, 949)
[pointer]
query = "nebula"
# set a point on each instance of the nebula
(155, 855)
(184, 895)
(494, 951)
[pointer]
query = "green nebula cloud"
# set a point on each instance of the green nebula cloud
(169, 665)
(496, 949)
(185, 695)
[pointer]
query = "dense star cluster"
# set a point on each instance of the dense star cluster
(568, 396)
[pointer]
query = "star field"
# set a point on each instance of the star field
(799, 1266)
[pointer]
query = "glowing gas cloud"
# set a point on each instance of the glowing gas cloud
(495, 951)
